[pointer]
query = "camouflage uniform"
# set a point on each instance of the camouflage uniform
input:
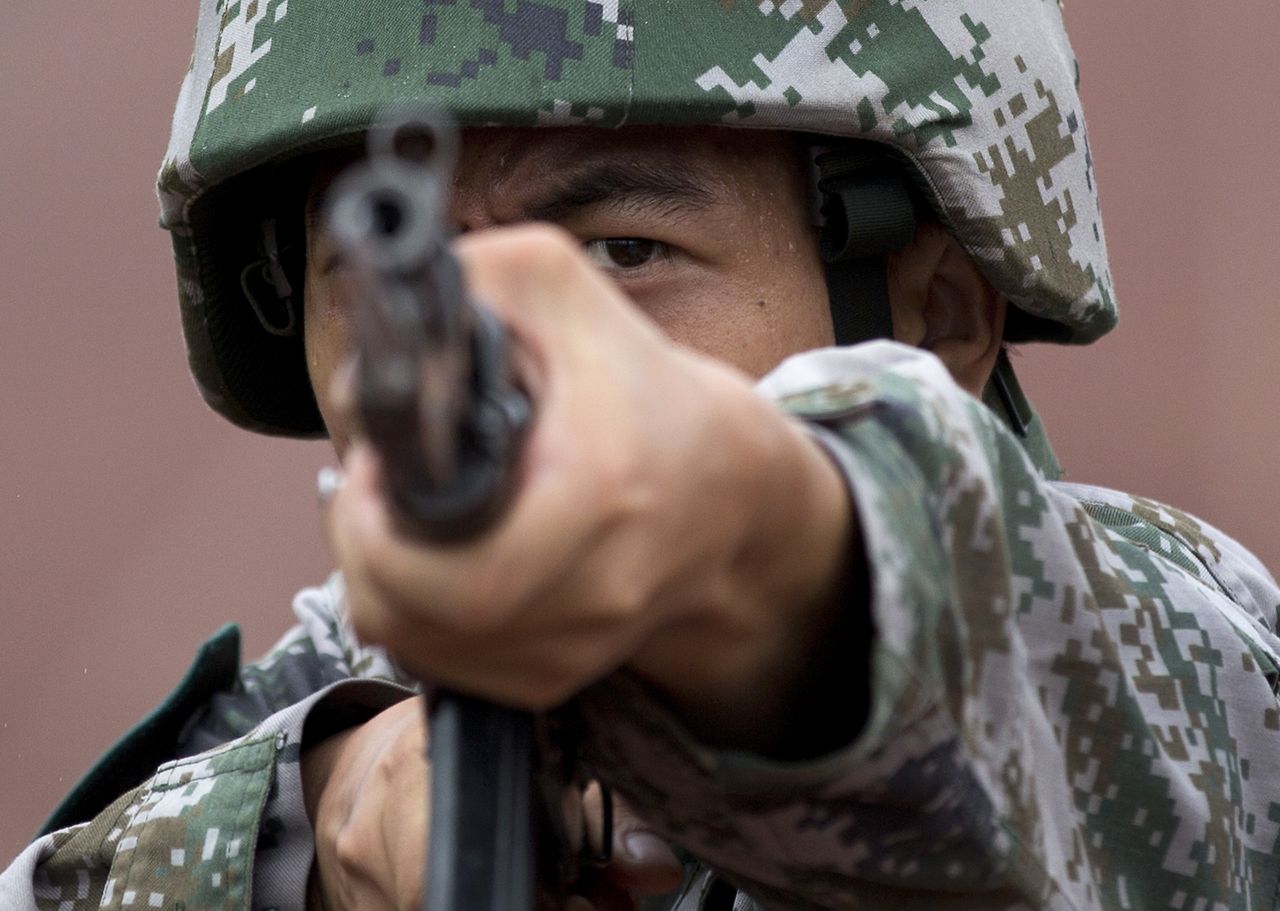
(1074, 707)
(1073, 690)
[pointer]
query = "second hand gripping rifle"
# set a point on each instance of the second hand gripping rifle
(438, 400)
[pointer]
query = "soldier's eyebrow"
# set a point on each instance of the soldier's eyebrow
(665, 189)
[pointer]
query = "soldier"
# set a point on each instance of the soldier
(843, 637)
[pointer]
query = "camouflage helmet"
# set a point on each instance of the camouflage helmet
(978, 96)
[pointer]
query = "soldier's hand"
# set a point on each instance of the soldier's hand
(367, 800)
(667, 518)
(366, 794)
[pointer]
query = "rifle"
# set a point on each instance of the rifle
(438, 400)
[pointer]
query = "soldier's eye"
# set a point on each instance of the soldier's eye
(620, 253)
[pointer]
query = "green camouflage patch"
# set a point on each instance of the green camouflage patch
(980, 95)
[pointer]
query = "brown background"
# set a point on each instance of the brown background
(133, 522)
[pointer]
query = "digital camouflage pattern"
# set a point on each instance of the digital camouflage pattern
(979, 94)
(1074, 690)
(1074, 699)
(185, 839)
(225, 829)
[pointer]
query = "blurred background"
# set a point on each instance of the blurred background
(133, 522)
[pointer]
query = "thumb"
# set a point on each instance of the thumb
(642, 862)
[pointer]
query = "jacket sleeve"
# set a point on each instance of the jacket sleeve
(225, 829)
(1071, 698)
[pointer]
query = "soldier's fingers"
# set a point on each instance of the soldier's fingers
(454, 586)
(642, 862)
(355, 525)
(540, 283)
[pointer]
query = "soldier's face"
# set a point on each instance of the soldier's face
(707, 230)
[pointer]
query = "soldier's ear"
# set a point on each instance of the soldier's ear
(943, 304)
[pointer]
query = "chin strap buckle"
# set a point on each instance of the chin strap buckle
(266, 278)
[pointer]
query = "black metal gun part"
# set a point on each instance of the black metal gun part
(437, 400)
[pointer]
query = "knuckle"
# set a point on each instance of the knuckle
(624, 595)
(620, 476)
(350, 850)
(487, 607)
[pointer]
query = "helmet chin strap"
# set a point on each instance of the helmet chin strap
(867, 213)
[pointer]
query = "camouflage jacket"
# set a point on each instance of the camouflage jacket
(1073, 707)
